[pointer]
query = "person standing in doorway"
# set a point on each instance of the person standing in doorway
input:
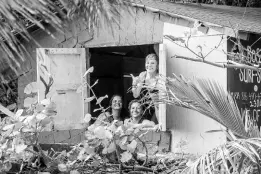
(144, 87)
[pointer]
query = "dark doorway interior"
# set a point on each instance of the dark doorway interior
(112, 66)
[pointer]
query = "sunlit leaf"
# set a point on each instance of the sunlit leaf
(98, 109)
(108, 134)
(20, 148)
(45, 102)
(100, 132)
(100, 99)
(29, 101)
(30, 120)
(89, 150)
(62, 167)
(95, 83)
(90, 70)
(31, 88)
(111, 148)
(132, 146)
(26, 129)
(7, 127)
(87, 118)
(89, 99)
(19, 113)
(126, 156)
(91, 127)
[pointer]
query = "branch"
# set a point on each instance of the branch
(224, 65)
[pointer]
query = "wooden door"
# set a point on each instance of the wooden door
(66, 66)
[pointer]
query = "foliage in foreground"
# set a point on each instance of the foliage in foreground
(241, 154)
(107, 147)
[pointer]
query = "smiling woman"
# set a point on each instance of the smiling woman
(144, 87)
(137, 119)
(115, 111)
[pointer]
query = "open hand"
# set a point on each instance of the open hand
(135, 80)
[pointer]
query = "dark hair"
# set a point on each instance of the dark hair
(110, 102)
(115, 95)
(123, 112)
(135, 101)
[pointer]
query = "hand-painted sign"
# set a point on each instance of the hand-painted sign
(245, 84)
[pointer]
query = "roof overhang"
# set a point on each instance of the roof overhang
(189, 22)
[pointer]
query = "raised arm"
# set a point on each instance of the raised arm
(137, 84)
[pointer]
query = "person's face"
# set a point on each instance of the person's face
(116, 103)
(151, 65)
(136, 110)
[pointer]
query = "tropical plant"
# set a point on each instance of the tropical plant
(241, 154)
(108, 146)
(16, 16)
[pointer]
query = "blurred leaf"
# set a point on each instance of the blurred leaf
(95, 83)
(20, 148)
(39, 108)
(100, 132)
(90, 70)
(46, 121)
(31, 88)
(126, 156)
(132, 146)
(45, 102)
(40, 116)
(87, 118)
(89, 150)
(98, 109)
(62, 167)
(29, 101)
(18, 113)
(100, 99)
(7, 127)
(89, 99)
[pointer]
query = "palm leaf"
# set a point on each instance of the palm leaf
(207, 97)
(17, 15)
(226, 155)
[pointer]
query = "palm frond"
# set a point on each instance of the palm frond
(238, 156)
(207, 97)
(17, 15)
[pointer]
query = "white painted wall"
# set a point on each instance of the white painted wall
(188, 127)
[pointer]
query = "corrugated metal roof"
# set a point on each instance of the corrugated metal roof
(244, 19)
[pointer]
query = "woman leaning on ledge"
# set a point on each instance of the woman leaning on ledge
(137, 119)
(115, 112)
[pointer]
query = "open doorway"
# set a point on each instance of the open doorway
(113, 66)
